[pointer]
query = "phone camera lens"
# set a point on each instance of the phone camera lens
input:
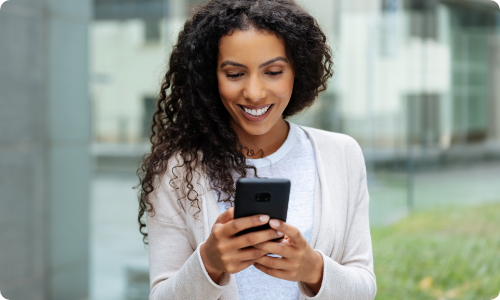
(263, 197)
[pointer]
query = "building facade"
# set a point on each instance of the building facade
(408, 73)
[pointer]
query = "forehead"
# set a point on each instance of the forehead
(250, 46)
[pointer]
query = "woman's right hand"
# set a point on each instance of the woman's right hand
(224, 252)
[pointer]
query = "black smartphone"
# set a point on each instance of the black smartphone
(255, 196)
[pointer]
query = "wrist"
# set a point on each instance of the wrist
(316, 276)
(214, 274)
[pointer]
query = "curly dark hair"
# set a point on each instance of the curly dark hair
(190, 118)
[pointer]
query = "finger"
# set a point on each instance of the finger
(240, 267)
(290, 231)
(285, 241)
(274, 262)
(280, 249)
(249, 254)
(254, 238)
(237, 225)
(277, 273)
(226, 216)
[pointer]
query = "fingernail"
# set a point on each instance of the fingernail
(264, 218)
(280, 233)
(274, 223)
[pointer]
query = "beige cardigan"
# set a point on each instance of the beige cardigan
(341, 231)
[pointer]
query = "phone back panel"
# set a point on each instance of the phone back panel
(255, 196)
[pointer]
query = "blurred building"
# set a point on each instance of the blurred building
(44, 150)
(417, 73)
(130, 45)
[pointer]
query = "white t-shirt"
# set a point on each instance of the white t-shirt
(295, 160)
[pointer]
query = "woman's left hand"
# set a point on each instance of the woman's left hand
(298, 262)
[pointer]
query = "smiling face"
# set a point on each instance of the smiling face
(255, 80)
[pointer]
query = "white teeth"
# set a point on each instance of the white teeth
(256, 112)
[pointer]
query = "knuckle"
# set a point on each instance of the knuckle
(257, 252)
(269, 271)
(225, 260)
(237, 226)
(271, 263)
(217, 232)
(250, 238)
(220, 248)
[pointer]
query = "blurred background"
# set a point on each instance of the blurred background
(416, 83)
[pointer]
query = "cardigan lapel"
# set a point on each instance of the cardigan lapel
(317, 210)
(211, 209)
(323, 224)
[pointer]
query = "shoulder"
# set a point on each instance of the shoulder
(178, 167)
(340, 155)
(327, 141)
(178, 182)
(173, 178)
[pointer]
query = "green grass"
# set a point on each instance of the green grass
(451, 253)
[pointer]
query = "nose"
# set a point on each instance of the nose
(255, 89)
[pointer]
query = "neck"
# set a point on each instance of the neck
(265, 144)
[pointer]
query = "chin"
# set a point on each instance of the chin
(252, 128)
(257, 130)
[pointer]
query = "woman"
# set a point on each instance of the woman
(238, 70)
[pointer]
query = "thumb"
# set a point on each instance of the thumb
(226, 216)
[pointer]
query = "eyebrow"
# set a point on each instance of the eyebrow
(232, 63)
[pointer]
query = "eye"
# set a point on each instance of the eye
(274, 73)
(234, 75)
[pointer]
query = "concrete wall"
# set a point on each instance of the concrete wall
(44, 140)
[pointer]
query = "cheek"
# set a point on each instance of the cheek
(283, 89)
(228, 91)
(226, 88)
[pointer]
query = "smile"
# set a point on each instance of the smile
(255, 113)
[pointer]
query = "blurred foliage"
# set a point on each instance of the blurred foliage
(447, 253)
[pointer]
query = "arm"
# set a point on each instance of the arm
(352, 278)
(176, 269)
